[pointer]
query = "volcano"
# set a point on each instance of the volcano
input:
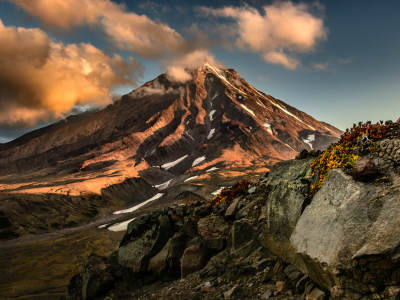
(164, 137)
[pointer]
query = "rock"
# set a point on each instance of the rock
(392, 292)
(280, 285)
(214, 230)
(288, 183)
(176, 249)
(252, 190)
(232, 292)
(95, 279)
(242, 233)
(355, 221)
(316, 294)
(75, 284)
(301, 284)
(195, 296)
(231, 211)
(158, 264)
(308, 288)
(175, 218)
(190, 226)
(203, 211)
(194, 259)
(364, 170)
(143, 239)
(268, 294)
(302, 154)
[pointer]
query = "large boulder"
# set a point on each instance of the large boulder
(349, 236)
(143, 239)
(289, 183)
(96, 280)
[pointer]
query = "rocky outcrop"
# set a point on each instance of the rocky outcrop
(343, 242)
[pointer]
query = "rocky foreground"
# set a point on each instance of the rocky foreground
(275, 240)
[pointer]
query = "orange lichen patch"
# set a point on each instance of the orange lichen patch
(340, 154)
(230, 194)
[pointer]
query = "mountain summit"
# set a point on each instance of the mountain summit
(197, 136)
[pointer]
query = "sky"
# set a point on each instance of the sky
(336, 60)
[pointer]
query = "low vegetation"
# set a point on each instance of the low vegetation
(359, 140)
(229, 194)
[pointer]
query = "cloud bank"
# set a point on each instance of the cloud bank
(40, 79)
(284, 27)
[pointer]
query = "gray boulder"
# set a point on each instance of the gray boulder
(213, 230)
(350, 228)
(143, 239)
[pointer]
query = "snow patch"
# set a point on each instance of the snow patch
(211, 114)
(215, 96)
(289, 146)
(124, 211)
(211, 133)
(223, 78)
(261, 104)
(212, 169)
(248, 109)
(190, 137)
(190, 178)
(163, 186)
(268, 125)
(198, 160)
(120, 226)
(173, 163)
(310, 138)
(217, 191)
(102, 226)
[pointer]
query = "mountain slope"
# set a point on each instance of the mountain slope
(211, 130)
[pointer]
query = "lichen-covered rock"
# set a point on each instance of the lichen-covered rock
(214, 230)
(347, 224)
(143, 239)
(96, 280)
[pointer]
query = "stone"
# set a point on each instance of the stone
(364, 170)
(392, 292)
(195, 296)
(308, 288)
(316, 294)
(353, 220)
(203, 211)
(95, 280)
(232, 292)
(337, 292)
(194, 259)
(268, 294)
(302, 154)
(301, 284)
(252, 190)
(190, 226)
(280, 285)
(213, 230)
(231, 210)
(75, 284)
(176, 249)
(175, 218)
(143, 239)
(242, 234)
(158, 264)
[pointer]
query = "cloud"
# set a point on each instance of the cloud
(262, 79)
(155, 7)
(282, 59)
(41, 79)
(127, 30)
(344, 61)
(321, 66)
(284, 26)
(179, 68)
(154, 88)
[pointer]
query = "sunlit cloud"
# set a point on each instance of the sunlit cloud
(262, 78)
(321, 66)
(344, 61)
(284, 27)
(41, 79)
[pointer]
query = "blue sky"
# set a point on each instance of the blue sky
(349, 72)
